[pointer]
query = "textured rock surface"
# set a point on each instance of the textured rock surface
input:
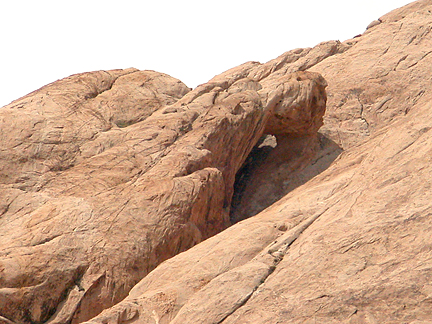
(60, 157)
(379, 79)
(351, 245)
(107, 174)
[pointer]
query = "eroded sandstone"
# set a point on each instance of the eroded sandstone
(344, 238)
(117, 175)
(352, 244)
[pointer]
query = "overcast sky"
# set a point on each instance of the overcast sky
(45, 40)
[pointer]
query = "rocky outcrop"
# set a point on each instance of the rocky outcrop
(74, 119)
(352, 244)
(54, 242)
(107, 174)
(377, 79)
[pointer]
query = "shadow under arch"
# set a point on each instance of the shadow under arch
(277, 166)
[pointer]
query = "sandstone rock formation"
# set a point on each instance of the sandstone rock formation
(352, 245)
(106, 176)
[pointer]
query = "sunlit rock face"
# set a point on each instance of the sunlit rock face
(107, 176)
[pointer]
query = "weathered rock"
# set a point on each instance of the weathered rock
(351, 245)
(114, 175)
(65, 122)
(52, 241)
(381, 77)
(373, 24)
(364, 95)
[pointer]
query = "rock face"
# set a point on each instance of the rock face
(107, 176)
(351, 245)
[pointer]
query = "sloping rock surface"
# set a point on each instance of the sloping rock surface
(351, 245)
(61, 171)
(107, 174)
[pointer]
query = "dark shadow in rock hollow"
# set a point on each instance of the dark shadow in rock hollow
(271, 171)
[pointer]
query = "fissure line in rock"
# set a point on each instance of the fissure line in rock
(277, 250)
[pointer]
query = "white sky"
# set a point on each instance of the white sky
(45, 40)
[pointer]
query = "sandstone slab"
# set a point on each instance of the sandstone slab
(117, 171)
(352, 244)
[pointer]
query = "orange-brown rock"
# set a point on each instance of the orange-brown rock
(107, 174)
(350, 245)
(53, 242)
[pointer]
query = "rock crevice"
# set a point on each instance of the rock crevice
(168, 180)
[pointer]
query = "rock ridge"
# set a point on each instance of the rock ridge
(365, 259)
(166, 180)
(134, 226)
